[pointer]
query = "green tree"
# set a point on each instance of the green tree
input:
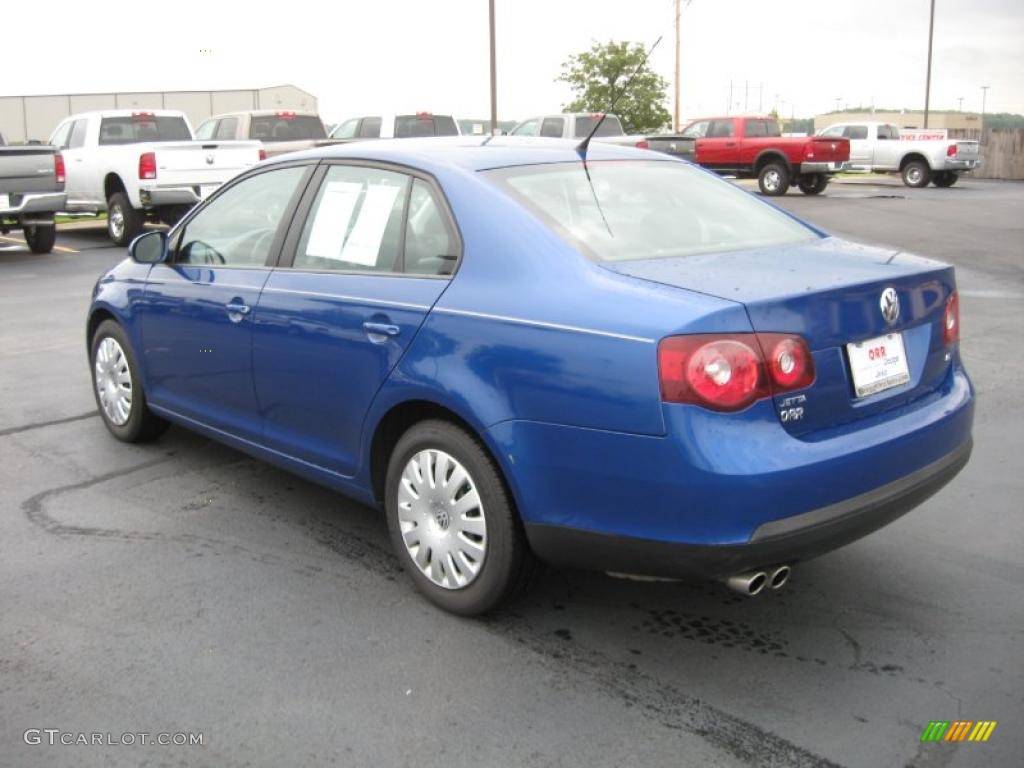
(598, 77)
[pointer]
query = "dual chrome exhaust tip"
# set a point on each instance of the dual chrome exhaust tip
(753, 583)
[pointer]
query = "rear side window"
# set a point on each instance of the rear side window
(286, 126)
(762, 128)
(143, 127)
(429, 246)
(355, 224)
(422, 124)
(552, 127)
(610, 127)
(227, 129)
(237, 228)
(856, 132)
(370, 128)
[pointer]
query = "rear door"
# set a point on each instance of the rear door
(197, 311)
(371, 250)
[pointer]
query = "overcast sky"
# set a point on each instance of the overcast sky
(397, 55)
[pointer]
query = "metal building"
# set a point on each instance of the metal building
(33, 118)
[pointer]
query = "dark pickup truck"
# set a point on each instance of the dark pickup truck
(31, 192)
(754, 147)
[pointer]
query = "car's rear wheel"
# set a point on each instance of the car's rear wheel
(452, 522)
(40, 237)
(813, 183)
(773, 179)
(945, 178)
(117, 387)
(916, 173)
(124, 223)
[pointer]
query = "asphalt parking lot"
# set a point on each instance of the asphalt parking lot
(183, 587)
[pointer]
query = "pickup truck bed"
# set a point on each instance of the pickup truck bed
(31, 192)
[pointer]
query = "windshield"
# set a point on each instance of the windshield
(143, 127)
(647, 209)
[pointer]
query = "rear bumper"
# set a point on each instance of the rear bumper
(824, 167)
(789, 540)
(34, 202)
(155, 197)
(952, 164)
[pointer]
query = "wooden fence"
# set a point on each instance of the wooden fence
(1002, 155)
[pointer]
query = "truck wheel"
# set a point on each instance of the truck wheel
(773, 179)
(40, 237)
(123, 221)
(945, 178)
(916, 173)
(813, 184)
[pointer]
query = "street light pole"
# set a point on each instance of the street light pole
(928, 78)
(984, 93)
(494, 77)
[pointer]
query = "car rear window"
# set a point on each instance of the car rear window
(610, 127)
(286, 127)
(643, 209)
(408, 126)
(135, 128)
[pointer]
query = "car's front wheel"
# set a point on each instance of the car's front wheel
(117, 386)
(452, 522)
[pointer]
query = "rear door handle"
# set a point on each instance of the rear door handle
(381, 329)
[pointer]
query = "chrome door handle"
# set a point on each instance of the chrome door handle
(238, 308)
(381, 329)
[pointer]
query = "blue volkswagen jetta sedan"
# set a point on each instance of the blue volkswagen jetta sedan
(625, 364)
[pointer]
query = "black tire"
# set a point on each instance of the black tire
(773, 179)
(812, 183)
(945, 178)
(916, 174)
(142, 424)
(124, 223)
(40, 237)
(508, 566)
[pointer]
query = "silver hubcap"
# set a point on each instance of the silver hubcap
(113, 381)
(914, 175)
(116, 216)
(442, 519)
(771, 181)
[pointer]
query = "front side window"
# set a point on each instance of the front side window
(60, 136)
(529, 128)
(237, 228)
(346, 130)
(630, 210)
(143, 126)
(552, 127)
(720, 129)
(370, 128)
(834, 131)
(205, 131)
(697, 130)
(355, 223)
(856, 132)
(77, 138)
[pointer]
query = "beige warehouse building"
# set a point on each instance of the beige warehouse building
(959, 125)
(33, 118)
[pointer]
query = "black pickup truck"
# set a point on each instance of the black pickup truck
(31, 192)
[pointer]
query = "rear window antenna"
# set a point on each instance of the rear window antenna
(585, 144)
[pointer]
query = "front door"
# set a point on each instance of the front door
(197, 311)
(357, 280)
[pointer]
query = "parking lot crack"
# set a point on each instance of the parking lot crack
(51, 423)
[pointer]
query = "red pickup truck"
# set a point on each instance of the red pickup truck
(753, 147)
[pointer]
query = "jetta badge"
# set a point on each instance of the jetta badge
(890, 304)
(209, 159)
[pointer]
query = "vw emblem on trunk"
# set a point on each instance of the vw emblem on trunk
(890, 304)
(209, 159)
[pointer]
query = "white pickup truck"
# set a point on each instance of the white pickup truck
(142, 164)
(878, 147)
(576, 125)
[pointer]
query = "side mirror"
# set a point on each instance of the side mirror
(149, 248)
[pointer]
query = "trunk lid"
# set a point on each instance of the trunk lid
(829, 292)
(195, 162)
(966, 150)
(27, 169)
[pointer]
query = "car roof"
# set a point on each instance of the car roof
(471, 153)
(127, 113)
(264, 113)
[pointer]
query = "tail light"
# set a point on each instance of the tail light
(58, 168)
(951, 320)
(263, 154)
(643, 144)
(286, 115)
(729, 372)
(951, 150)
(147, 165)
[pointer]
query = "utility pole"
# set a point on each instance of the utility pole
(928, 78)
(494, 77)
(984, 93)
(746, 92)
(675, 112)
(960, 104)
(838, 99)
(728, 108)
